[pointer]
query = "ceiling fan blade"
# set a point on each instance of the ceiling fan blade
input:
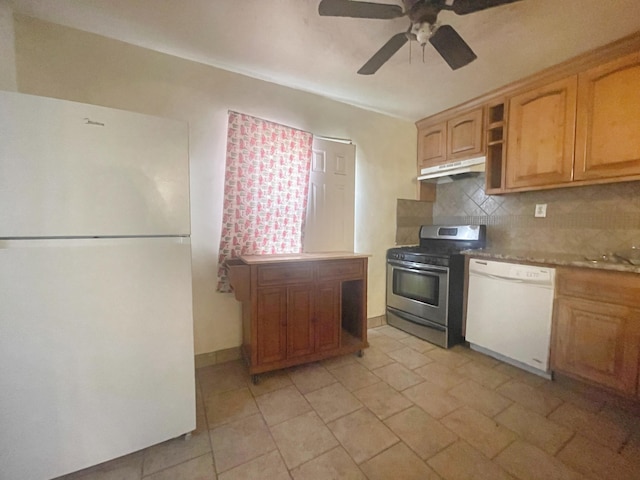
(452, 47)
(385, 53)
(463, 7)
(348, 8)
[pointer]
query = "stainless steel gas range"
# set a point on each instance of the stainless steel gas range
(425, 283)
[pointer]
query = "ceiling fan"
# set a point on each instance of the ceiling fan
(424, 28)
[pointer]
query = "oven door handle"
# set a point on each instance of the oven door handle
(413, 267)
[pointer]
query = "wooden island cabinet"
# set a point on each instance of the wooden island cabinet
(300, 308)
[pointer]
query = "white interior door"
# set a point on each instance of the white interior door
(330, 211)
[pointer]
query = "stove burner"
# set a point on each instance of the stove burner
(439, 243)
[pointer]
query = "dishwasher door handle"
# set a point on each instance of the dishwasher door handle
(496, 277)
(506, 279)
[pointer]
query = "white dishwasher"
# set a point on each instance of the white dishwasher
(509, 309)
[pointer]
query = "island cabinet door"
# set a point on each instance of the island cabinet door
(541, 135)
(607, 140)
(327, 317)
(300, 325)
(598, 342)
(271, 322)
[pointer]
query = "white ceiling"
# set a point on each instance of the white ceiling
(287, 42)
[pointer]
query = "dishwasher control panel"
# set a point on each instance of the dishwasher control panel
(522, 272)
(512, 272)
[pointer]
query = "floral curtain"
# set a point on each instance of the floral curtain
(265, 190)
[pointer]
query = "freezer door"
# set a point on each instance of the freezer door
(96, 351)
(70, 169)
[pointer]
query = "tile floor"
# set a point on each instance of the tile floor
(406, 410)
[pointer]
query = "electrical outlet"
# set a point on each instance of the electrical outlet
(541, 210)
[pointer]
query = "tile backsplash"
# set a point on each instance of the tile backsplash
(410, 214)
(590, 220)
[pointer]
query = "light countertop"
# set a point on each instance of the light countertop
(550, 259)
(300, 257)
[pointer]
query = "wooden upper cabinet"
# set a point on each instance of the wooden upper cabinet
(574, 124)
(464, 135)
(608, 120)
(432, 145)
(541, 132)
(455, 138)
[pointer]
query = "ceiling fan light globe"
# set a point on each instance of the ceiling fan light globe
(423, 33)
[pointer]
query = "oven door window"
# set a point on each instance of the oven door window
(419, 286)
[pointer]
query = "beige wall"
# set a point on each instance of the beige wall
(64, 63)
(7, 51)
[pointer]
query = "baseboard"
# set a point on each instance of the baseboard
(219, 356)
(378, 321)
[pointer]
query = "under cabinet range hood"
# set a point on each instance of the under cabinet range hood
(471, 165)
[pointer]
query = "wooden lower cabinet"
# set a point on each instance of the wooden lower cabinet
(598, 342)
(596, 331)
(298, 312)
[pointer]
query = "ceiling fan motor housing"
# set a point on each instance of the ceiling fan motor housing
(424, 31)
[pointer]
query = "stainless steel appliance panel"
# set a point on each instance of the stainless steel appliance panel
(431, 332)
(418, 289)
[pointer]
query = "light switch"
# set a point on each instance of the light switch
(541, 210)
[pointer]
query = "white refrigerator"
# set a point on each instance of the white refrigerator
(96, 332)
